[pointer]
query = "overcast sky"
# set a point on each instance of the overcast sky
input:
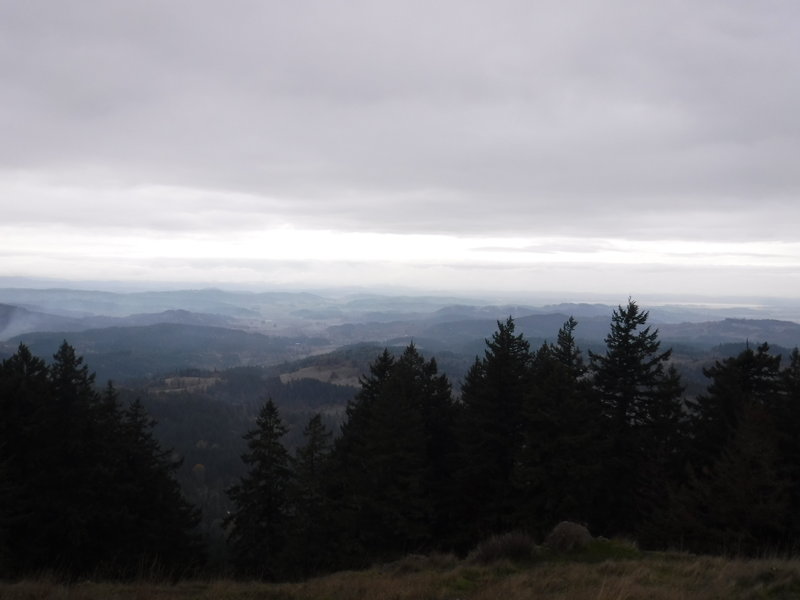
(599, 146)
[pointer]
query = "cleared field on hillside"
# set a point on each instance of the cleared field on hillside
(341, 375)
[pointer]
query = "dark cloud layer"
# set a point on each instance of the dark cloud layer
(647, 120)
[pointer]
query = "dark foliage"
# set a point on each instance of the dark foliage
(739, 494)
(640, 399)
(559, 473)
(491, 432)
(393, 459)
(85, 487)
(259, 524)
(536, 437)
(313, 526)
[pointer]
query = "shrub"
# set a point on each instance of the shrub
(568, 536)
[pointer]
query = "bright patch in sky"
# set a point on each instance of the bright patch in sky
(462, 263)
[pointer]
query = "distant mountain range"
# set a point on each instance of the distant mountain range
(15, 320)
(126, 336)
(123, 353)
(712, 333)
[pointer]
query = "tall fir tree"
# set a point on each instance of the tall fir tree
(162, 523)
(787, 419)
(749, 379)
(72, 444)
(559, 475)
(491, 433)
(391, 458)
(566, 350)
(739, 504)
(311, 548)
(24, 396)
(75, 505)
(738, 492)
(641, 400)
(430, 395)
(259, 523)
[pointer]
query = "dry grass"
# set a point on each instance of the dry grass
(657, 577)
(514, 546)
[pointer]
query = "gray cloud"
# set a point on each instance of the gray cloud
(646, 120)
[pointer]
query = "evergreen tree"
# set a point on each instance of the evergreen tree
(160, 522)
(350, 487)
(752, 378)
(739, 502)
(24, 392)
(492, 433)
(430, 395)
(640, 398)
(627, 376)
(360, 410)
(737, 494)
(566, 350)
(559, 475)
(787, 420)
(312, 456)
(71, 486)
(391, 459)
(313, 525)
(74, 502)
(259, 523)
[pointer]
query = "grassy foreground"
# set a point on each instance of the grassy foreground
(652, 576)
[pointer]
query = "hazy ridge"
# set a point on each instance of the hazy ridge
(143, 334)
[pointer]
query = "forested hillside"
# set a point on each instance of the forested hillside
(538, 436)
(337, 477)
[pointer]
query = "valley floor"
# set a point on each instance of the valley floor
(653, 576)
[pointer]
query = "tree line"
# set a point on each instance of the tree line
(536, 436)
(85, 489)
